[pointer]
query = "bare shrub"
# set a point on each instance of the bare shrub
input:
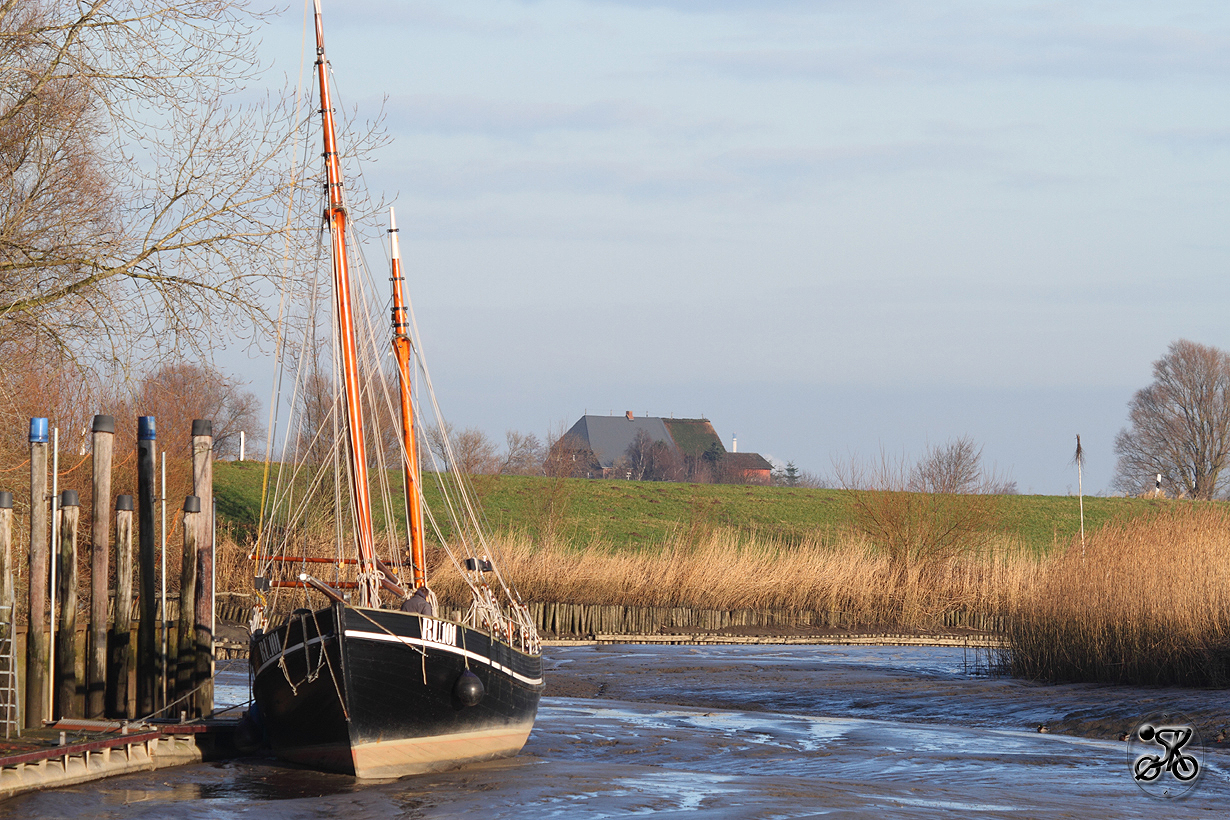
(910, 526)
(955, 467)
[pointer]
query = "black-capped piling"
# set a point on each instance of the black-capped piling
(38, 649)
(67, 704)
(100, 544)
(147, 658)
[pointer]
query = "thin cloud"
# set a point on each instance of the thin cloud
(964, 49)
(1192, 140)
(472, 115)
(421, 14)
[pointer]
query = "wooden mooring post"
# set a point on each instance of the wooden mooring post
(147, 656)
(7, 598)
(66, 705)
(65, 677)
(185, 669)
(203, 589)
(9, 708)
(121, 631)
(100, 545)
(38, 650)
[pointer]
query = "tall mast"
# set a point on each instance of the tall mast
(401, 350)
(335, 213)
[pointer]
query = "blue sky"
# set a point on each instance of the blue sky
(831, 227)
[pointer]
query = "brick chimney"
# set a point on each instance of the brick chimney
(628, 415)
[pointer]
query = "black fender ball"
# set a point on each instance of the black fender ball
(469, 689)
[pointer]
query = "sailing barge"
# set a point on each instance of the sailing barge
(354, 686)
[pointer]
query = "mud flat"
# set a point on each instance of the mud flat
(742, 732)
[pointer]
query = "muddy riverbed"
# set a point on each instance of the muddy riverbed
(744, 732)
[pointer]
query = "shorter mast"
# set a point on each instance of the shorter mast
(401, 350)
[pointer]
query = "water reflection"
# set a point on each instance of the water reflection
(256, 780)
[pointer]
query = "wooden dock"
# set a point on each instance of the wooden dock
(78, 751)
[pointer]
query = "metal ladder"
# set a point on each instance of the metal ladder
(9, 713)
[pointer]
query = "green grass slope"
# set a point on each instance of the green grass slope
(634, 514)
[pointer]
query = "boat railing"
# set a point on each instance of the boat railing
(515, 627)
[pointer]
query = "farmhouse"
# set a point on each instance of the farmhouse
(654, 448)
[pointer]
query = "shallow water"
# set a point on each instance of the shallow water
(746, 732)
(232, 687)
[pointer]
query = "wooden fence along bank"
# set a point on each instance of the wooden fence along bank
(582, 620)
(597, 621)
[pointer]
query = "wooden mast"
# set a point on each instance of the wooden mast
(401, 350)
(335, 213)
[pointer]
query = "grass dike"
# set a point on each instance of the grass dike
(1146, 600)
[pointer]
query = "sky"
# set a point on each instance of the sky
(831, 228)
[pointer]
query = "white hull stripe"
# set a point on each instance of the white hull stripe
(456, 650)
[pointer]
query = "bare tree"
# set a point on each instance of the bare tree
(1179, 425)
(524, 454)
(792, 476)
(318, 416)
(135, 200)
(31, 385)
(552, 503)
(474, 452)
(814, 481)
(175, 394)
(569, 457)
(639, 455)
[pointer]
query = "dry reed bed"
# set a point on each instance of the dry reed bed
(724, 570)
(1148, 602)
(731, 570)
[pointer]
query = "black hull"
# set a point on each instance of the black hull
(376, 698)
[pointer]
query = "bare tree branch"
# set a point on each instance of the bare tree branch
(134, 198)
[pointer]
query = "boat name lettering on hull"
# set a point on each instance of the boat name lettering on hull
(270, 647)
(441, 632)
